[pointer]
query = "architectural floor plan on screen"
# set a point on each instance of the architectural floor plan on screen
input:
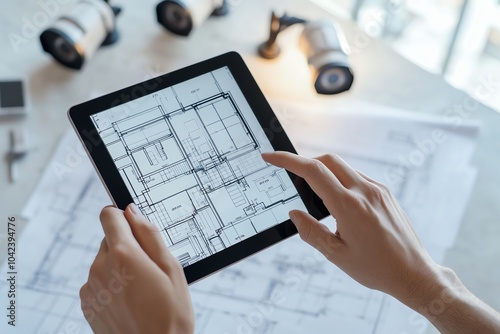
(190, 157)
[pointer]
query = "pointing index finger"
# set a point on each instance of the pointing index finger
(322, 181)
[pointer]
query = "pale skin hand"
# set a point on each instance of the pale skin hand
(376, 245)
(135, 285)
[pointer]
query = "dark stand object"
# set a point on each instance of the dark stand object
(270, 49)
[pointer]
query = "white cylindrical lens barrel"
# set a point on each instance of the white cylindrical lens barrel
(95, 19)
(200, 10)
(322, 44)
(326, 50)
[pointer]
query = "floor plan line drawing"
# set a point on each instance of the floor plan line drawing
(51, 279)
(306, 303)
(41, 279)
(190, 157)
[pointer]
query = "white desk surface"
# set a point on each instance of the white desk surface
(382, 76)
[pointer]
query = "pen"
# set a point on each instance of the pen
(17, 152)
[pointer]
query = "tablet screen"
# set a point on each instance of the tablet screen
(190, 156)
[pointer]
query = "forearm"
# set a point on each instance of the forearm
(451, 308)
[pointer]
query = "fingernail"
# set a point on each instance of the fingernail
(134, 209)
(292, 214)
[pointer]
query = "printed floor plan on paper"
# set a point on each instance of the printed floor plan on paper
(190, 156)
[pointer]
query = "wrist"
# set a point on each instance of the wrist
(448, 305)
(432, 291)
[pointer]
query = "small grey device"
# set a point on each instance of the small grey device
(17, 151)
(12, 100)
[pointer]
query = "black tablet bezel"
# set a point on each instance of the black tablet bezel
(79, 116)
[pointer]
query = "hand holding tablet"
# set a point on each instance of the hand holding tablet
(131, 267)
(186, 149)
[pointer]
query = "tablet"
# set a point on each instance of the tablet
(186, 147)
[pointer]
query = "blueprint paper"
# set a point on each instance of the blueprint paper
(49, 286)
(288, 288)
(58, 244)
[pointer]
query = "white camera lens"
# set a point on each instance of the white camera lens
(332, 79)
(64, 49)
